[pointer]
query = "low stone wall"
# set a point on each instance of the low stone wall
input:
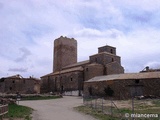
(72, 93)
(3, 109)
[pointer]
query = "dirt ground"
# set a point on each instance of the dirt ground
(57, 109)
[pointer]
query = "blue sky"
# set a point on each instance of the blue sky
(28, 29)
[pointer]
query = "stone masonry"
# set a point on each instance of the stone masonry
(69, 75)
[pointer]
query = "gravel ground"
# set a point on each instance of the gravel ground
(57, 109)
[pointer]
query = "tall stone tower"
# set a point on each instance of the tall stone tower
(65, 52)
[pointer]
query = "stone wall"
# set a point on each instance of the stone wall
(108, 49)
(63, 83)
(114, 68)
(93, 70)
(21, 85)
(104, 58)
(65, 53)
(44, 85)
(2, 87)
(122, 88)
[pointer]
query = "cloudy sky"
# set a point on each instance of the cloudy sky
(29, 27)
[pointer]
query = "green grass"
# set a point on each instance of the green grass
(142, 107)
(156, 103)
(40, 97)
(148, 109)
(123, 111)
(18, 111)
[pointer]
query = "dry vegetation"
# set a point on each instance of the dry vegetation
(120, 107)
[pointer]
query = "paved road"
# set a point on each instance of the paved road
(57, 109)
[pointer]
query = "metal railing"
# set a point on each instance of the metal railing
(121, 108)
(101, 104)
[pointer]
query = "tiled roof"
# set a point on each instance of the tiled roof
(69, 70)
(77, 64)
(65, 71)
(125, 76)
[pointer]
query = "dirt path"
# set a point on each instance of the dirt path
(57, 109)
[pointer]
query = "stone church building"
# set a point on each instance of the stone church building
(68, 75)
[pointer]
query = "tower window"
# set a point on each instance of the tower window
(112, 59)
(111, 50)
(71, 79)
(13, 81)
(86, 69)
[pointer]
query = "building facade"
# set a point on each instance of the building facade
(124, 86)
(68, 75)
(18, 84)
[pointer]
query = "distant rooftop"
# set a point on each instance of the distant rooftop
(15, 76)
(20, 77)
(147, 69)
(126, 76)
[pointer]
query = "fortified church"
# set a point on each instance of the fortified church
(68, 75)
(100, 75)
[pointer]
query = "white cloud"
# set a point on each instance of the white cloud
(18, 69)
(34, 24)
(141, 4)
(153, 64)
(25, 53)
(136, 48)
(88, 32)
